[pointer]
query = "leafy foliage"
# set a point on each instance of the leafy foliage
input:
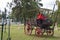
(25, 8)
(57, 13)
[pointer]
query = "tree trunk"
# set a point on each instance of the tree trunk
(56, 21)
(24, 18)
(56, 25)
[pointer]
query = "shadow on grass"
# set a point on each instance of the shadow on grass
(46, 36)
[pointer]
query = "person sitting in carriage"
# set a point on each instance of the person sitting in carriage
(40, 19)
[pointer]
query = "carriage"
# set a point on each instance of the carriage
(48, 25)
(32, 25)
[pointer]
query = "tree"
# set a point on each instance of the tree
(25, 9)
(58, 12)
(57, 15)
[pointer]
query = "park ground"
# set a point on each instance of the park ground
(17, 33)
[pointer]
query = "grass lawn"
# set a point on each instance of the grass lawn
(17, 33)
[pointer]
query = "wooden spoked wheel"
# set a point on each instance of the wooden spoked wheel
(38, 32)
(28, 29)
(50, 32)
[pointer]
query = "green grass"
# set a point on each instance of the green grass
(18, 34)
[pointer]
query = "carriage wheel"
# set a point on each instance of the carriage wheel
(38, 31)
(28, 29)
(50, 32)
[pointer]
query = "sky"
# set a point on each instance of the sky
(3, 4)
(49, 4)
